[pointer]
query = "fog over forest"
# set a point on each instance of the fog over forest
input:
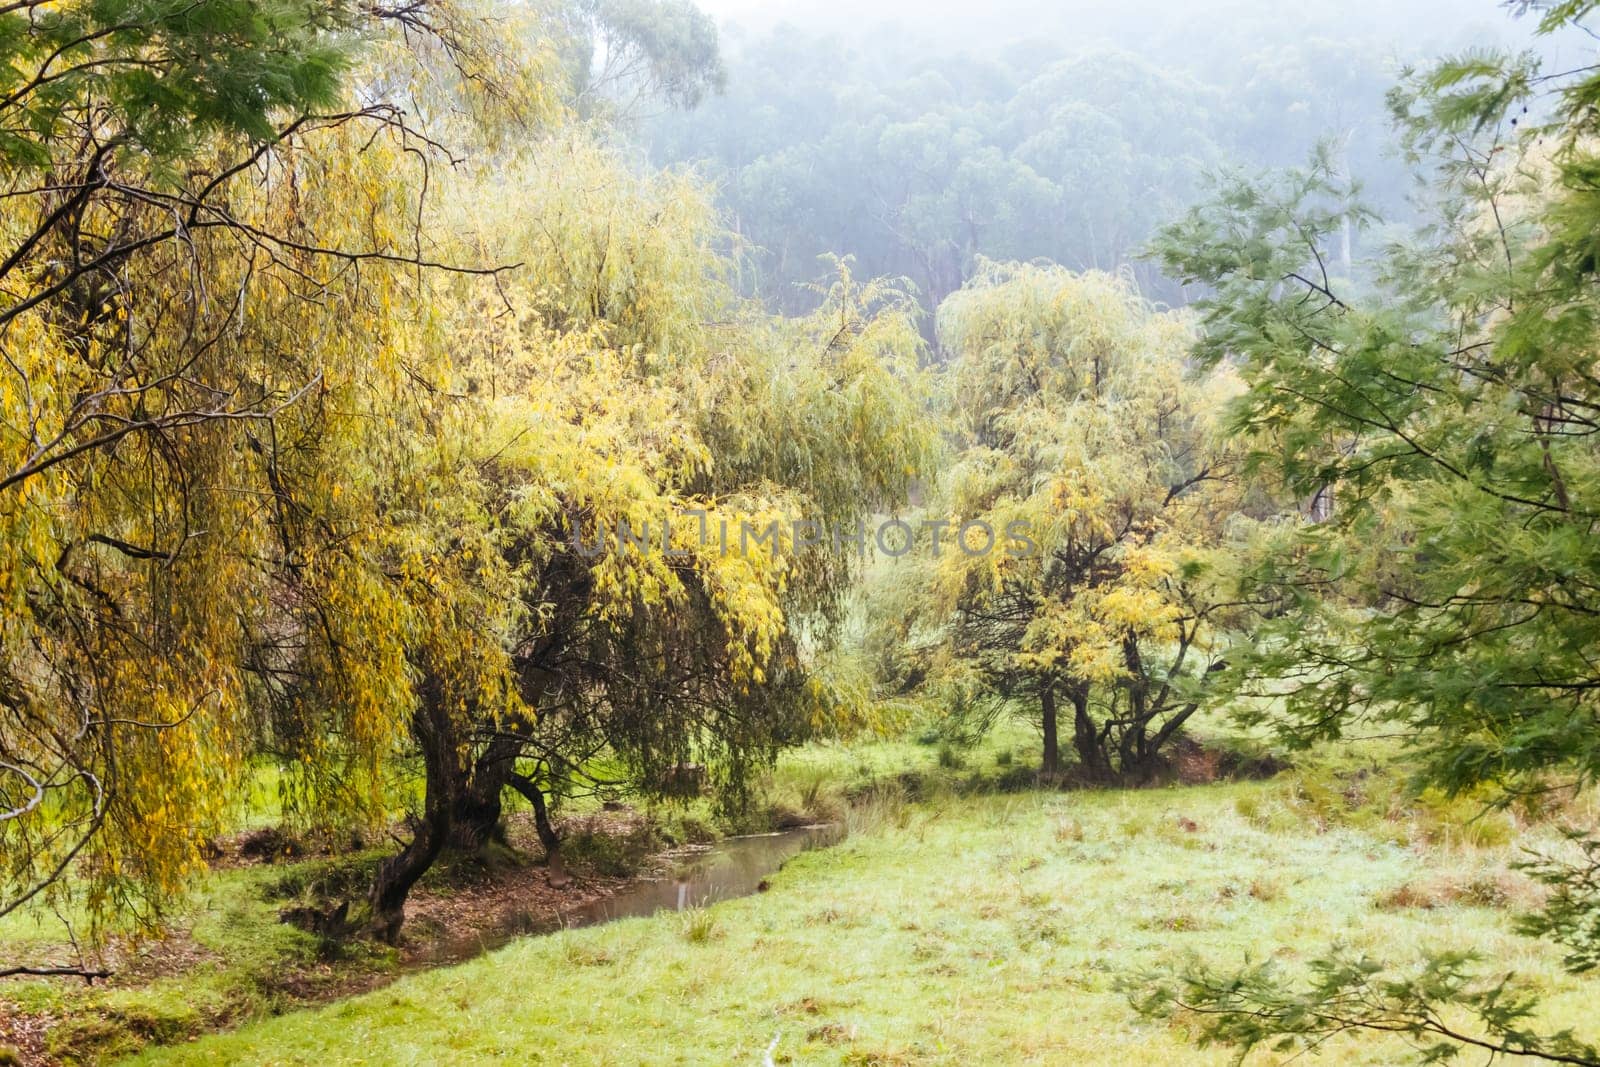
(1161, 24)
(919, 137)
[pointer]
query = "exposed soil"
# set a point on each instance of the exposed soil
(480, 904)
(25, 1034)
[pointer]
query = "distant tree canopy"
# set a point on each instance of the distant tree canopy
(626, 55)
(920, 165)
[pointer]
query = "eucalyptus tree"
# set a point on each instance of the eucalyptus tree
(1446, 405)
(627, 54)
(1070, 150)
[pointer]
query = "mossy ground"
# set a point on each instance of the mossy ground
(995, 928)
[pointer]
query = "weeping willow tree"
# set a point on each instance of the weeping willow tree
(622, 446)
(214, 317)
(1087, 517)
(306, 405)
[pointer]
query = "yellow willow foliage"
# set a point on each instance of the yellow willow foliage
(483, 72)
(403, 566)
(829, 405)
(1083, 425)
(603, 246)
(268, 552)
(582, 447)
(626, 384)
(837, 396)
(375, 499)
(126, 593)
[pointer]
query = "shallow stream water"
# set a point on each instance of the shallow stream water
(733, 867)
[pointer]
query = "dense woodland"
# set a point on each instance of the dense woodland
(332, 333)
(918, 154)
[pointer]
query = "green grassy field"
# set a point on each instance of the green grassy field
(965, 930)
(967, 919)
(229, 960)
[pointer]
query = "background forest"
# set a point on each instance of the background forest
(917, 143)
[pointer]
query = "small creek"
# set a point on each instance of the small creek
(733, 867)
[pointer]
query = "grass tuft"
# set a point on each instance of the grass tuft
(699, 925)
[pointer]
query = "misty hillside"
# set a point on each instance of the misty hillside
(920, 138)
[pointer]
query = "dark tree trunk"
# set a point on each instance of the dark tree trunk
(475, 821)
(475, 812)
(436, 736)
(556, 872)
(1133, 755)
(1148, 760)
(1086, 739)
(1052, 743)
